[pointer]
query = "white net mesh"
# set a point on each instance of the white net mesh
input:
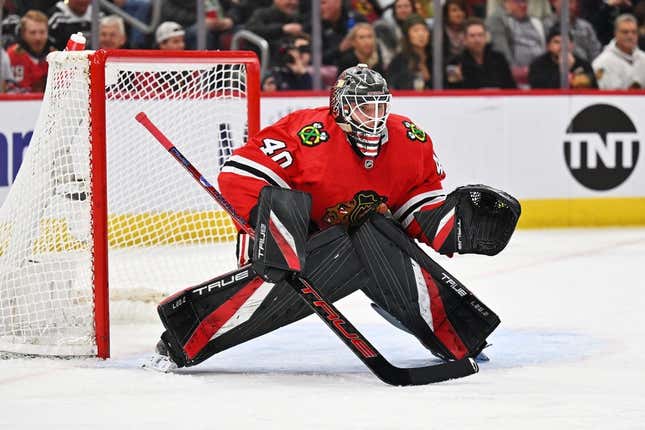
(165, 232)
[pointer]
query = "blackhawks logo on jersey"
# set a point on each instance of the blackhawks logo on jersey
(414, 132)
(353, 212)
(313, 134)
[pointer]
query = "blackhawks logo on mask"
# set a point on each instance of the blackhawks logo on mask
(313, 134)
(355, 211)
(414, 132)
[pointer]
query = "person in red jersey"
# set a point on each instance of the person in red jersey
(28, 55)
(310, 151)
(338, 195)
(342, 153)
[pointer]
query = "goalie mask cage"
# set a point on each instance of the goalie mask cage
(95, 184)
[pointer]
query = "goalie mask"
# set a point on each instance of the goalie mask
(360, 104)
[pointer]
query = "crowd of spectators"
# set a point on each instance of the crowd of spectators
(486, 43)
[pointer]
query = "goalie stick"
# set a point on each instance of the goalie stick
(334, 319)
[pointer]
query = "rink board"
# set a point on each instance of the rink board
(516, 142)
(565, 173)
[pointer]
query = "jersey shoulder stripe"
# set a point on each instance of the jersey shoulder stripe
(241, 165)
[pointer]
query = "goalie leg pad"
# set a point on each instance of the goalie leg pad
(475, 219)
(281, 229)
(200, 313)
(431, 303)
(332, 266)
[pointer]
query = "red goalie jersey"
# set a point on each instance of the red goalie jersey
(307, 151)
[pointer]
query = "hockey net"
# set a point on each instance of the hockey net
(97, 200)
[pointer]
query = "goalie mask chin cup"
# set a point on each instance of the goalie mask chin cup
(368, 145)
(360, 104)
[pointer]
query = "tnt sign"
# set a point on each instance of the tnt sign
(11, 151)
(601, 147)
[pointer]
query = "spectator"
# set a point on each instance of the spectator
(516, 35)
(364, 49)
(69, 17)
(412, 68)
(389, 28)
(454, 18)
(544, 71)
(336, 24)
(139, 9)
(536, 8)
(602, 14)
(292, 70)
(621, 65)
(586, 42)
(396, 15)
(170, 36)
(112, 32)
(479, 66)
(28, 55)
(268, 84)
(6, 76)
(276, 22)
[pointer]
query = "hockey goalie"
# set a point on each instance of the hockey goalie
(339, 196)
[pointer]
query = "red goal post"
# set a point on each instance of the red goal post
(97, 203)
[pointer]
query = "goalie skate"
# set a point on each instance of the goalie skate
(159, 361)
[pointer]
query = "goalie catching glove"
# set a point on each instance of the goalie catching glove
(474, 219)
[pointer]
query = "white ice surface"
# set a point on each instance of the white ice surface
(568, 355)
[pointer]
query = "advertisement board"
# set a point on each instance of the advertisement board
(571, 159)
(17, 121)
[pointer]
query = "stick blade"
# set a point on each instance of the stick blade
(440, 372)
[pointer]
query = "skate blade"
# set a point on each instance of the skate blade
(482, 358)
(159, 363)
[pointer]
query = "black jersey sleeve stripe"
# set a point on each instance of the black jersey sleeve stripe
(251, 170)
(413, 208)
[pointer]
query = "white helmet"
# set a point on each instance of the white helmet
(360, 104)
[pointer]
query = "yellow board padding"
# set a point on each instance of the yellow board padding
(170, 228)
(55, 236)
(5, 234)
(582, 212)
(191, 227)
(135, 230)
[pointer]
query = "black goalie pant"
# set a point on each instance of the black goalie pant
(382, 261)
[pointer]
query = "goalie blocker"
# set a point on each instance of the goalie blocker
(377, 258)
(281, 227)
